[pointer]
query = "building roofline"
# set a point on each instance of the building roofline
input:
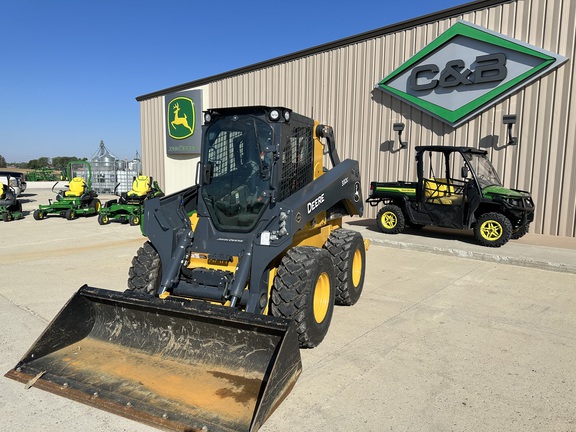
(403, 25)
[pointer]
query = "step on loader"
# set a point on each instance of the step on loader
(239, 271)
(128, 208)
(77, 199)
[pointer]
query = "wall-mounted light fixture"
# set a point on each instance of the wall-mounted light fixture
(510, 119)
(399, 127)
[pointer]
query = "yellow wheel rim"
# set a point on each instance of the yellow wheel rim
(105, 219)
(321, 297)
(136, 220)
(491, 230)
(356, 268)
(97, 207)
(389, 220)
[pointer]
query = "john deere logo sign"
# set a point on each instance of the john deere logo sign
(182, 118)
(182, 134)
(466, 70)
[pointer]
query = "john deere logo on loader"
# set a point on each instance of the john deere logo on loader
(466, 70)
(181, 117)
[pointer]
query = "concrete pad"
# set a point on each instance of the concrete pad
(439, 341)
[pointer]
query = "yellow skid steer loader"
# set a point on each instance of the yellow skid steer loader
(239, 271)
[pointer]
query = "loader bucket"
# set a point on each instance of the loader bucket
(176, 365)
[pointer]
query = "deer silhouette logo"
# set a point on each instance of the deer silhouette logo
(181, 118)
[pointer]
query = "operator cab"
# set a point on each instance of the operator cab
(238, 171)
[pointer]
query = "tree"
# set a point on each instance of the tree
(2, 162)
(61, 162)
(39, 163)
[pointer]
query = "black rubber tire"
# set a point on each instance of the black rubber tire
(305, 285)
(146, 271)
(103, 219)
(6, 217)
(390, 219)
(520, 232)
(349, 257)
(70, 214)
(95, 205)
(134, 220)
(493, 229)
(37, 215)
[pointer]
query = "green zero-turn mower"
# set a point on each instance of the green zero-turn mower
(129, 207)
(457, 187)
(78, 199)
(10, 207)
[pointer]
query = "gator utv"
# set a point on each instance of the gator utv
(130, 206)
(10, 206)
(466, 194)
(240, 270)
(78, 199)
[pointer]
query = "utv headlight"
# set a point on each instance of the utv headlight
(207, 117)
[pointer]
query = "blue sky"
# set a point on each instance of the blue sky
(70, 70)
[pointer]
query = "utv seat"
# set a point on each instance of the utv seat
(77, 187)
(440, 191)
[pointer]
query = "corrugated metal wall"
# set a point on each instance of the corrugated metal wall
(337, 87)
(153, 139)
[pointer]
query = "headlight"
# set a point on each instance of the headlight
(274, 115)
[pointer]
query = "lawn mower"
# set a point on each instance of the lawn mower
(78, 199)
(10, 207)
(129, 207)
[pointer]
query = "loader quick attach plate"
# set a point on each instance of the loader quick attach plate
(175, 365)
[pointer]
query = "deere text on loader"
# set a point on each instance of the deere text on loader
(78, 199)
(240, 270)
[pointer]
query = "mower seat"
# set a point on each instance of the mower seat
(7, 197)
(140, 187)
(77, 187)
(139, 192)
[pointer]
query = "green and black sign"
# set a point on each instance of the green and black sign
(183, 112)
(466, 70)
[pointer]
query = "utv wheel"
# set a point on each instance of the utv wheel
(349, 258)
(38, 215)
(134, 220)
(304, 291)
(146, 270)
(492, 229)
(70, 214)
(103, 219)
(520, 232)
(390, 219)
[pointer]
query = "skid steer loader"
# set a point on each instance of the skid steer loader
(239, 271)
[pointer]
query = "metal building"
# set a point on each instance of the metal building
(349, 84)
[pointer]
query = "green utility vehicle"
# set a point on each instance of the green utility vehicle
(78, 199)
(457, 187)
(130, 206)
(10, 207)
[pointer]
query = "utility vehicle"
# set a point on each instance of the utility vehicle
(457, 187)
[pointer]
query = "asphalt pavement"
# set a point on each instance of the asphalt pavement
(447, 336)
